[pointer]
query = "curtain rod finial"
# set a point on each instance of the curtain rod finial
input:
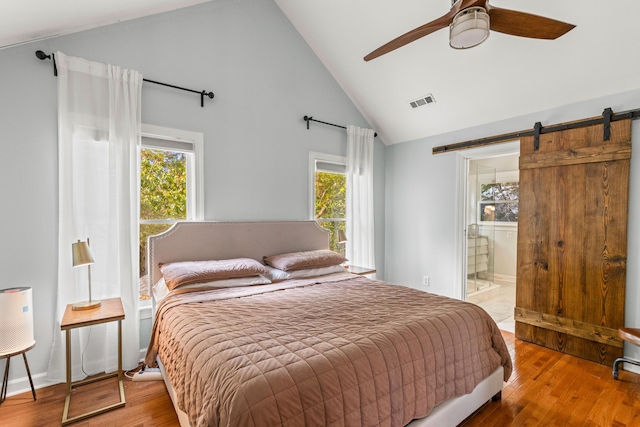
(41, 55)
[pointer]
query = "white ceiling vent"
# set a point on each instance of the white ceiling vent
(422, 101)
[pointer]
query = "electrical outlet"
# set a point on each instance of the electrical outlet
(425, 281)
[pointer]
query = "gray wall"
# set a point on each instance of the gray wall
(505, 250)
(265, 79)
(421, 203)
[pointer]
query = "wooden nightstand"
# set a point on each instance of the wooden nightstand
(109, 311)
(360, 271)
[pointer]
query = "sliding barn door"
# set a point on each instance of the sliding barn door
(572, 241)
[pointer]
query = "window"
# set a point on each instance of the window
(329, 195)
(170, 185)
(499, 202)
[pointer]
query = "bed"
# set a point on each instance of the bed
(333, 349)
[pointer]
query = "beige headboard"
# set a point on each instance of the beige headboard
(197, 241)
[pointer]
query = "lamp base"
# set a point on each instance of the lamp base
(85, 305)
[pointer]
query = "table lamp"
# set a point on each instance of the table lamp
(82, 256)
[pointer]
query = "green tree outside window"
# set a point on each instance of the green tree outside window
(163, 193)
(330, 205)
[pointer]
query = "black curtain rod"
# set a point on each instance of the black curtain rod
(311, 119)
(41, 55)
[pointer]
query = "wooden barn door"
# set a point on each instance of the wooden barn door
(572, 241)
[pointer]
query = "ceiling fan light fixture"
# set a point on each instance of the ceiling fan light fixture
(469, 28)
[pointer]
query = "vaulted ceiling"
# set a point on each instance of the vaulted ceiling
(23, 21)
(502, 78)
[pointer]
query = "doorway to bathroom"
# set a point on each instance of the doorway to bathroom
(491, 224)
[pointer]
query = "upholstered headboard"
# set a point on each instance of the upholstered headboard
(197, 241)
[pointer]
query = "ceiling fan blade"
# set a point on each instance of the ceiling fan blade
(413, 35)
(426, 29)
(524, 24)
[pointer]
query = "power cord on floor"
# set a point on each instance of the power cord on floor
(131, 372)
(127, 374)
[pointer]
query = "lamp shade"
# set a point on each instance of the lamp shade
(470, 27)
(342, 237)
(81, 254)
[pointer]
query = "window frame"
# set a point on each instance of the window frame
(195, 165)
(195, 175)
(314, 159)
(501, 177)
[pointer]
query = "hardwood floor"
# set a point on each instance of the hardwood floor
(546, 388)
(148, 404)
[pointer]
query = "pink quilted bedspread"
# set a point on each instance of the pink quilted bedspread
(347, 352)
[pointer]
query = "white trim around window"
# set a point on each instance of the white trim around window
(316, 158)
(177, 139)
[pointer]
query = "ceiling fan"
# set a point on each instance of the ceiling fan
(469, 22)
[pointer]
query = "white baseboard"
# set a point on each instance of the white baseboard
(503, 278)
(21, 385)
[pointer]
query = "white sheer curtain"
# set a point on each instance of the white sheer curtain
(98, 151)
(360, 229)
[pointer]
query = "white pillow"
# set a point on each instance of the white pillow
(277, 275)
(160, 289)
